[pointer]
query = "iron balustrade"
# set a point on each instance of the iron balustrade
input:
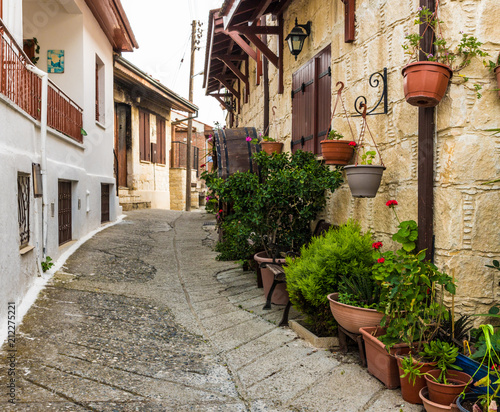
(24, 89)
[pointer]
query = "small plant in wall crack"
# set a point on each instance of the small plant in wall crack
(47, 264)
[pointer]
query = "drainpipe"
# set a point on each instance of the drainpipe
(43, 154)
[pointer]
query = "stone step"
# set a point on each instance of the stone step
(135, 206)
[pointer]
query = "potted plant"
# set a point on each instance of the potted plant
(364, 179)
(320, 268)
(336, 151)
(488, 400)
(411, 369)
(425, 82)
(353, 306)
(270, 145)
(412, 308)
(494, 67)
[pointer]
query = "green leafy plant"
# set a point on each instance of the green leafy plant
(409, 301)
(47, 264)
(334, 135)
(368, 157)
(268, 139)
(411, 368)
(323, 263)
(491, 65)
(444, 354)
(359, 290)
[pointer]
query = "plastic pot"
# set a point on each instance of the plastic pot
(364, 180)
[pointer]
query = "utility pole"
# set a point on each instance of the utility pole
(195, 41)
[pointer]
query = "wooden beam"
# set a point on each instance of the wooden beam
(233, 57)
(349, 19)
(242, 43)
(426, 134)
(247, 84)
(219, 94)
(235, 70)
(256, 29)
(281, 8)
(227, 85)
(260, 10)
(281, 45)
(228, 18)
(247, 31)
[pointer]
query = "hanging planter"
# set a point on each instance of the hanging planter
(425, 83)
(364, 179)
(334, 150)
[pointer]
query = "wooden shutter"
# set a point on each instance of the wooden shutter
(144, 136)
(311, 103)
(160, 140)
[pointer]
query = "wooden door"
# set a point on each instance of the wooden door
(121, 133)
(104, 203)
(64, 212)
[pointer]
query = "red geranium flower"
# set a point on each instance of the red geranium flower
(203, 165)
(353, 144)
(220, 211)
(381, 260)
(377, 245)
(391, 203)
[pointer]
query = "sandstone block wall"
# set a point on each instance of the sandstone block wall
(466, 219)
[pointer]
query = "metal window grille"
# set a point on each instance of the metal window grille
(23, 197)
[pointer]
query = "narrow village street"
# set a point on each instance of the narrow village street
(143, 318)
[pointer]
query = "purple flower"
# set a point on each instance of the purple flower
(419, 9)
(208, 198)
(248, 139)
(430, 55)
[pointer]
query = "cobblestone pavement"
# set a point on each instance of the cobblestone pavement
(143, 318)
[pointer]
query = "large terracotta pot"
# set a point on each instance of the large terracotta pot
(271, 147)
(336, 152)
(497, 73)
(364, 180)
(432, 406)
(425, 83)
(446, 394)
(409, 391)
(280, 294)
(351, 318)
(382, 364)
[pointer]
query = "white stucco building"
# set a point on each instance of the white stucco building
(66, 145)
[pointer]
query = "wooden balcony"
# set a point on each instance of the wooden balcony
(24, 89)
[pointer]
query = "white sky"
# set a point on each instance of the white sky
(163, 30)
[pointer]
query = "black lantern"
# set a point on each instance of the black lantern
(297, 36)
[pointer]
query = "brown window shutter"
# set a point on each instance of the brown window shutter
(142, 153)
(144, 136)
(160, 140)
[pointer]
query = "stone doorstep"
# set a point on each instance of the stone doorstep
(321, 343)
(135, 206)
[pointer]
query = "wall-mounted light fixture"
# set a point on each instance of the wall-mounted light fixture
(297, 36)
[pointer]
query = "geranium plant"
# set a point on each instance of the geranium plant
(409, 286)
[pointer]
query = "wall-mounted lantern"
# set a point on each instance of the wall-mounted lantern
(297, 36)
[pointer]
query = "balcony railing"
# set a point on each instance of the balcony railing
(24, 89)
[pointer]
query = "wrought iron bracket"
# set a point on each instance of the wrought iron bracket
(374, 82)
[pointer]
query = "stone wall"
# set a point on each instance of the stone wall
(466, 211)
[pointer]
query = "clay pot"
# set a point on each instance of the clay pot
(336, 152)
(280, 294)
(446, 394)
(364, 180)
(271, 147)
(409, 391)
(425, 83)
(497, 73)
(432, 406)
(380, 363)
(351, 318)
(471, 397)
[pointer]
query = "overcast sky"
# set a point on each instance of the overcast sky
(163, 30)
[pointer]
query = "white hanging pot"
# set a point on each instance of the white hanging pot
(364, 180)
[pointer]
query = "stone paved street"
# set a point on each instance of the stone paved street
(143, 318)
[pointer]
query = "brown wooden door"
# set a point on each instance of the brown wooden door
(121, 131)
(64, 212)
(104, 203)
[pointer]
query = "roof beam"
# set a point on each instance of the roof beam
(259, 10)
(266, 51)
(235, 70)
(281, 8)
(228, 18)
(256, 29)
(227, 85)
(242, 43)
(232, 57)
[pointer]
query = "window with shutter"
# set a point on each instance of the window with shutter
(144, 136)
(311, 103)
(160, 140)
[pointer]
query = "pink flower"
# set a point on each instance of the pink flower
(208, 198)
(209, 139)
(353, 144)
(248, 139)
(381, 260)
(391, 203)
(377, 245)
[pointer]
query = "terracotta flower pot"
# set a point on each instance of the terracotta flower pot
(271, 147)
(409, 391)
(425, 83)
(336, 152)
(382, 364)
(351, 318)
(280, 294)
(446, 394)
(497, 73)
(432, 406)
(364, 180)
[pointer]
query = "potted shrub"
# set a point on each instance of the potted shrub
(364, 179)
(353, 306)
(319, 269)
(425, 82)
(336, 151)
(408, 300)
